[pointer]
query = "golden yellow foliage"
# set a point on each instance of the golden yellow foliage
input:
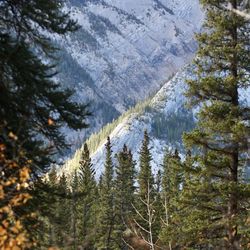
(50, 122)
(14, 180)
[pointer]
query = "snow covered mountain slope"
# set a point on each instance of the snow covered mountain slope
(125, 51)
(164, 117)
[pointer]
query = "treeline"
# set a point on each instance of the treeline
(129, 208)
(96, 139)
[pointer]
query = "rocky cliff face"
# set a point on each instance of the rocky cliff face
(124, 52)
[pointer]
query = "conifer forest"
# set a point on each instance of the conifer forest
(125, 124)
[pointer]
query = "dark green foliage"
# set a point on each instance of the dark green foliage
(70, 215)
(172, 184)
(39, 106)
(125, 182)
(172, 174)
(124, 194)
(34, 107)
(146, 198)
(62, 218)
(87, 202)
(158, 206)
(145, 176)
(215, 200)
(52, 200)
(171, 128)
(105, 235)
(75, 210)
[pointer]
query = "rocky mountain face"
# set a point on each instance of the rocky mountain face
(124, 52)
(164, 117)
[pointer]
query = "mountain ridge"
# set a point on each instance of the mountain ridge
(124, 52)
(159, 115)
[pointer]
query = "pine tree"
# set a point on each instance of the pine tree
(159, 205)
(39, 106)
(145, 203)
(218, 198)
(172, 183)
(145, 176)
(46, 200)
(62, 226)
(51, 205)
(87, 201)
(34, 107)
(54, 212)
(105, 239)
(75, 213)
(172, 178)
(124, 194)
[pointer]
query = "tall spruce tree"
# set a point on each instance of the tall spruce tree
(75, 210)
(172, 183)
(159, 205)
(217, 197)
(145, 203)
(124, 194)
(87, 202)
(105, 237)
(145, 176)
(62, 218)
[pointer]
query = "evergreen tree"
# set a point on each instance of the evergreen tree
(51, 205)
(172, 183)
(39, 106)
(62, 226)
(87, 201)
(145, 176)
(46, 200)
(124, 194)
(34, 107)
(217, 197)
(172, 175)
(105, 239)
(159, 205)
(145, 203)
(75, 211)
(54, 211)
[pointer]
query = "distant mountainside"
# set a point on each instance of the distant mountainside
(124, 52)
(164, 116)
